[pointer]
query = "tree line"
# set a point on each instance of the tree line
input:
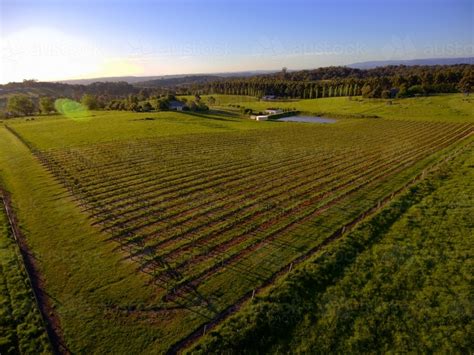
(23, 105)
(382, 82)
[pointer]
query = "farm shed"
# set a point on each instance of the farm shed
(259, 117)
(273, 111)
(176, 105)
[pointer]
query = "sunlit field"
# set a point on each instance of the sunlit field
(155, 224)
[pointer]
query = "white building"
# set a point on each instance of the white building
(259, 117)
(273, 111)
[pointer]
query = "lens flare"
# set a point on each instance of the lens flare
(72, 109)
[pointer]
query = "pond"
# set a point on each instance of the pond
(311, 119)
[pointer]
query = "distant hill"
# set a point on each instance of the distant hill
(110, 79)
(36, 89)
(141, 79)
(178, 81)
(428, 61)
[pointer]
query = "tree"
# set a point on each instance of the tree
(90, 101)
(20, 105)
(201, 106)
(197, 106)
(403, 91)
(386, 94)
(211, 100)
(163, 104)
(147, 107)
(143, 95)
(466, 84)
(46, 105)
(134, 107)
(416, 90)
(366, 91)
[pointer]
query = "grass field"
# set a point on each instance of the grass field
(442, 108)
(104, 126)
(149, 225)
(21, 327)
(82, 274)
(400, 282)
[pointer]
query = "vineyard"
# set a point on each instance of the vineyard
(197, 211)
(287, 179)
(199, 222)
(400, 281)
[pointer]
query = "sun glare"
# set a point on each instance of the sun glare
(49, 54)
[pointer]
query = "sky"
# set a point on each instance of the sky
(72, 39)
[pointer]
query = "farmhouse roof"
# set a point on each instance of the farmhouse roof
(176, 103)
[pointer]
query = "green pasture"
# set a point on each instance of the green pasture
(442, 108)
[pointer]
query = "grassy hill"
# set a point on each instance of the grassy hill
(440, 108)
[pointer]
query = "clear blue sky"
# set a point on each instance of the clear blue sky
(50, 40)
